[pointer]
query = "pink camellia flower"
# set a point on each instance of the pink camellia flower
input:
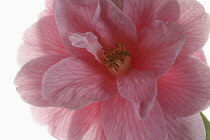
(117, 69)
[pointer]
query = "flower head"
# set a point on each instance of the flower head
(117, 70)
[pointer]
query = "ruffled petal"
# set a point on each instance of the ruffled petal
(140, 88)
(119, 3)
(144, 12)
(201, 56)
(86, 124)
(185, 128)
(168, 12)
(57, 119)
(159, 46)
(113, 26)
(45, 13)
(120, 121)
(74, 16)
(40, 39)
(197, 23)
(29, 79)
(90, 42)
(74, 83)
(50, 4)
(184, 89)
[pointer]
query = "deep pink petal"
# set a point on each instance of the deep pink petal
(86, 124)
(40, 39)
(140, 88)
(90, 42)
(184, 89)
(113, 26)
(185, 128)
(29, 78)
(159, 46)
(74, 16)
(201, 56)
(120, 121)
(74, 83)
(197, 24)
(57, 119)
(144, 12)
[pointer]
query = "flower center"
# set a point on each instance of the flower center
(117, 59)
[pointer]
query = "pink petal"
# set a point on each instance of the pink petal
(186, 128)
(50, 4)
(168, 12)
(57, 119)
(29, 78)
(86, 124)
(45, 13)
(120, 122)
(44, 33)
(23, 56)
(90, 42)
(207, 105)
(201, 56)
(74, 83)
(144, 12)
(74, 16)
(113, 26)
(159, 46)
(119, 3)
(140, 88)
(184, 89)
(40, 39)
(197, 24)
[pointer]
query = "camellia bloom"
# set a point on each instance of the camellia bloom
(117, 70)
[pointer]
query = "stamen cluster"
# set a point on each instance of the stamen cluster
(117, 59)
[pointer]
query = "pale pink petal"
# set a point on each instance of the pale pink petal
(185, 128)
(113, 26)
(74, 83)
(159, 46)
(40, 39)
(23, 53)
(120, 121)
(45, 13)
(86, 124)
(74, 16)
(90, 42)
(50, 4)
(29, 79)
(44, 33)
(207, 105)
(140, 88)
(57, 119)
(168, 12)
(201, 56)
(197, 24)
(144, 12)
(119, 3)
(184, 89)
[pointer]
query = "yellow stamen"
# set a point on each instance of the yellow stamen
(117, 59)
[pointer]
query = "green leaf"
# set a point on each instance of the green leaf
(207, 126)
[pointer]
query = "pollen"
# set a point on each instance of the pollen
(117, 59)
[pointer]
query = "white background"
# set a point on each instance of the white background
(16, 122)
